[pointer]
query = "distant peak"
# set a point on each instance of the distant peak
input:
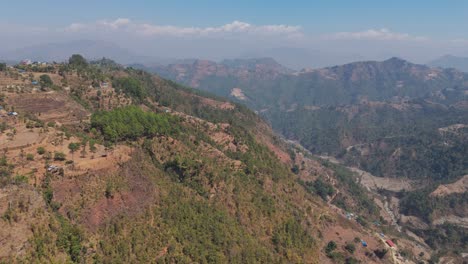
(395, 59)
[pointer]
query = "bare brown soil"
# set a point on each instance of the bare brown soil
(459, 186)
(51, 106)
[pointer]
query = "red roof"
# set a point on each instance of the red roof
(390, 243)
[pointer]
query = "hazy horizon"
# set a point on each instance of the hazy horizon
(297, 37)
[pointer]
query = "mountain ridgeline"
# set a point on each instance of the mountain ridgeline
(330, 110)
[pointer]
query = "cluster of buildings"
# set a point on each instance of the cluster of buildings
(33, 63)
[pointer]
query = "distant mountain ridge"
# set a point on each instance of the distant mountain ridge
(195, 72)
(450, 61)
(91, 49)
(298, 58)
(268, 83)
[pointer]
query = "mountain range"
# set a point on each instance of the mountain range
(294, 58)
(91, 49)
(450, 61)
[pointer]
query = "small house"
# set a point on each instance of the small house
(390, 243)
(34, 82)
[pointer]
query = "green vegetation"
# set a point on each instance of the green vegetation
(381, 132)
(331, 253)
(419, 203)
(362, 203)
(77, 61)
(73, 147)
(291, 236)
(69, 239)
(130, 123)
(59, 156)
(30, 156)
(3, 66)
(445, 237)
(45, 81)
(350, 247)
(40, 150)
(320, 187)
(130, 86)
(6, 170)
(330, 247)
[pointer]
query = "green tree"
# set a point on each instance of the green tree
(331, 246)
(45, 81)
(92, 145)
(131, 86)
(40, 150)
(77, 61)
(3, 67)
(73, 147)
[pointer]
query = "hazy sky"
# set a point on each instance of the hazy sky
(416, 30)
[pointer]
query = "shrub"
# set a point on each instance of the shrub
(41, 150)
(352, 260)
(19, 179)
(45, 81)
(330, 247)
(350, 247)
(30, 156)
(59, 156)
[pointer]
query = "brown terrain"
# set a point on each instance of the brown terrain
(459, 186)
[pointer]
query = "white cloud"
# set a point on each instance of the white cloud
(75, 27)
(375, 34)
(236, 27)
(459, 42)
(116, 24)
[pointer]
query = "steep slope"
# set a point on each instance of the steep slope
(392, 119)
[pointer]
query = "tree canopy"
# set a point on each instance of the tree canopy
(131, 86)
(131, 123)
(77, 61)
(45, 81)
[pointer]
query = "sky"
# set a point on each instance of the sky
(330, 31)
